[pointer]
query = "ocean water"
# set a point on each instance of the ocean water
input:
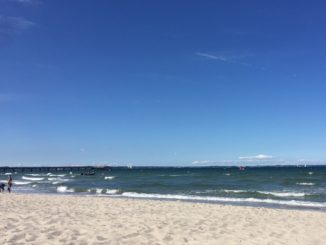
(289, 187)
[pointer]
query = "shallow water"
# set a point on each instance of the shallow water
(281, 186)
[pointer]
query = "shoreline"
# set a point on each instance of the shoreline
(60, 219)
(283, 188)
(241, 203)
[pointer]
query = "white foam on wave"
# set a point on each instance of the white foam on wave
(227, 174)
(306, 183)
(112, 191)
(58, 179)
(235, 191)
(277, 194)
(103, 192)
(8, 173)
(63, 189)
(311, 173)
(283, 194)
(31, 178)
(17, 182)
(109, 177)
(57, 175)
(34, 174)
(226, 199)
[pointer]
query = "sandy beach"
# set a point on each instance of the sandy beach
(63, 219)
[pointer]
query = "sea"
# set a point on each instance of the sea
(269, 186)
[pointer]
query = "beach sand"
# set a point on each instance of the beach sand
(63, 219)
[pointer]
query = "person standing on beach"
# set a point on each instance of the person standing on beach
(9, 183)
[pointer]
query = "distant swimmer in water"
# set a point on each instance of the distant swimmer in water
(9, 183)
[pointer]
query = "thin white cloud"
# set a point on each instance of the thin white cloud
(258, 157)
(212, 57)
(14, 25)
(201, 162)
(235, 59)
(259, 160)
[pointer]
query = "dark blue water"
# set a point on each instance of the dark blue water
(282, 186)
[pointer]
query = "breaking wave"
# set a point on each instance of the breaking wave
(32, 178)
(226, 199)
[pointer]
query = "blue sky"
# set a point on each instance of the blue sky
(162, 82)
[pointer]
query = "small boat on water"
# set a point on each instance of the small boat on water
(92, 173)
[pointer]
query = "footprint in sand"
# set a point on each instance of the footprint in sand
(30, 238)
(54, 234)
(130, 235)
(100, 238)
(12, 220)
(16, 238)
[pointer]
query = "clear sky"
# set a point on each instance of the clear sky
(162, 82)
